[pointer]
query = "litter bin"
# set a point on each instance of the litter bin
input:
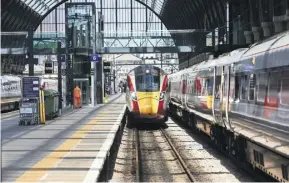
(51, 103)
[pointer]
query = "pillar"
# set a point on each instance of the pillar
(59, 76)
(287, 15)
(255, 20)
(280, 7)
(30, 53)
(266, 15)
(246, 22)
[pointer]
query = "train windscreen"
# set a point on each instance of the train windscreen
(147, 80)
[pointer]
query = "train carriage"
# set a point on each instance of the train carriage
(238, 94)
(146, 96)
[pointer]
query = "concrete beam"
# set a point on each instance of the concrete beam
(105, 50)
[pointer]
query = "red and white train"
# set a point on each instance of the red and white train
(241, 100)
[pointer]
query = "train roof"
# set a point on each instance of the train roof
(7, 78)
(279, 41)
(148, 67)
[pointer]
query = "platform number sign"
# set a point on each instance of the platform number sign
(94, 58)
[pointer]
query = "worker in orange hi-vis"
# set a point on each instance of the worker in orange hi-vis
(76, 96)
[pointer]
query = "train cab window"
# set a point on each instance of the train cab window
(252, 83)
(147, 82)
(273, 88)
(261, 87)
(244, 87)
(284, 90)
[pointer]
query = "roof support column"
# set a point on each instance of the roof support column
(287, 15)
(279, 15)
(255, 19)
(266, 17)
(30, 52)
(246, 21)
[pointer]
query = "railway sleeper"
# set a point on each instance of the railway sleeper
(247, 154)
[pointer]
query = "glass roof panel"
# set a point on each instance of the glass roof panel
(37, 9)
(40, 5)
(156, 5)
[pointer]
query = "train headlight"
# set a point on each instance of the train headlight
(133, 95)
(162, 95)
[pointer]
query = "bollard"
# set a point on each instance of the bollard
(106, 98)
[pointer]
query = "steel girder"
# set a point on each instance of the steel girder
(181, 14)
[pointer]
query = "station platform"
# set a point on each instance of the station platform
(71, 148)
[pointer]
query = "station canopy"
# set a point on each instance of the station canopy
(22, 15)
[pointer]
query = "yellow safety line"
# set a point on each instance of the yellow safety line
(35, 173)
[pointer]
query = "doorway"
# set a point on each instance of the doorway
(83, 84)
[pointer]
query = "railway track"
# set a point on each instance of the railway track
(171, 154)
(138, 156)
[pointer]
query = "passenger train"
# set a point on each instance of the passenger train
(241, 101)
(146, 95)
(10, 92)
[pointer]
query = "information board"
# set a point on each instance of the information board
(30, 87)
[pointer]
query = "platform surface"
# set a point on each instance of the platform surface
(71, 148)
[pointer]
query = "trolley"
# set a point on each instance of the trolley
(29, 111)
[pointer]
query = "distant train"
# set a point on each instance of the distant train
(11, 88)
(241, 93)
(146, 95)
(10, 92)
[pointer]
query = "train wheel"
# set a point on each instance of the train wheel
(129, 120)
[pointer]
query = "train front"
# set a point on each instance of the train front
(146, 98)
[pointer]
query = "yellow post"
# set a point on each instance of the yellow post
(106, 98)
(42, 107)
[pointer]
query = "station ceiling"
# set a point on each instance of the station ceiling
(21, 15)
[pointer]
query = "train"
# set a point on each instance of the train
(240, 100)
(146, 95)
(10, 92)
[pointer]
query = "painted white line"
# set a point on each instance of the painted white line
(98, 163)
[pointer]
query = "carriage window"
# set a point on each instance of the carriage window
(235, 87)
(209, 86)
(198, 86)
(273, 88)
(252, 83)
(244, 87)
(217, 87)
(284, 91)
(193, 86)
(261, 87)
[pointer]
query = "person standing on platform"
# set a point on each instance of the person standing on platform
(77, 97)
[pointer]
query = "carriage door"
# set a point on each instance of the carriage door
(218, 95)
(184, 88)
(226, 96)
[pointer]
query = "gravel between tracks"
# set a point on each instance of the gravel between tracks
(159, 163)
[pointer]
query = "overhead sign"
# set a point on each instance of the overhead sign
(30, 87)
(94, 58)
